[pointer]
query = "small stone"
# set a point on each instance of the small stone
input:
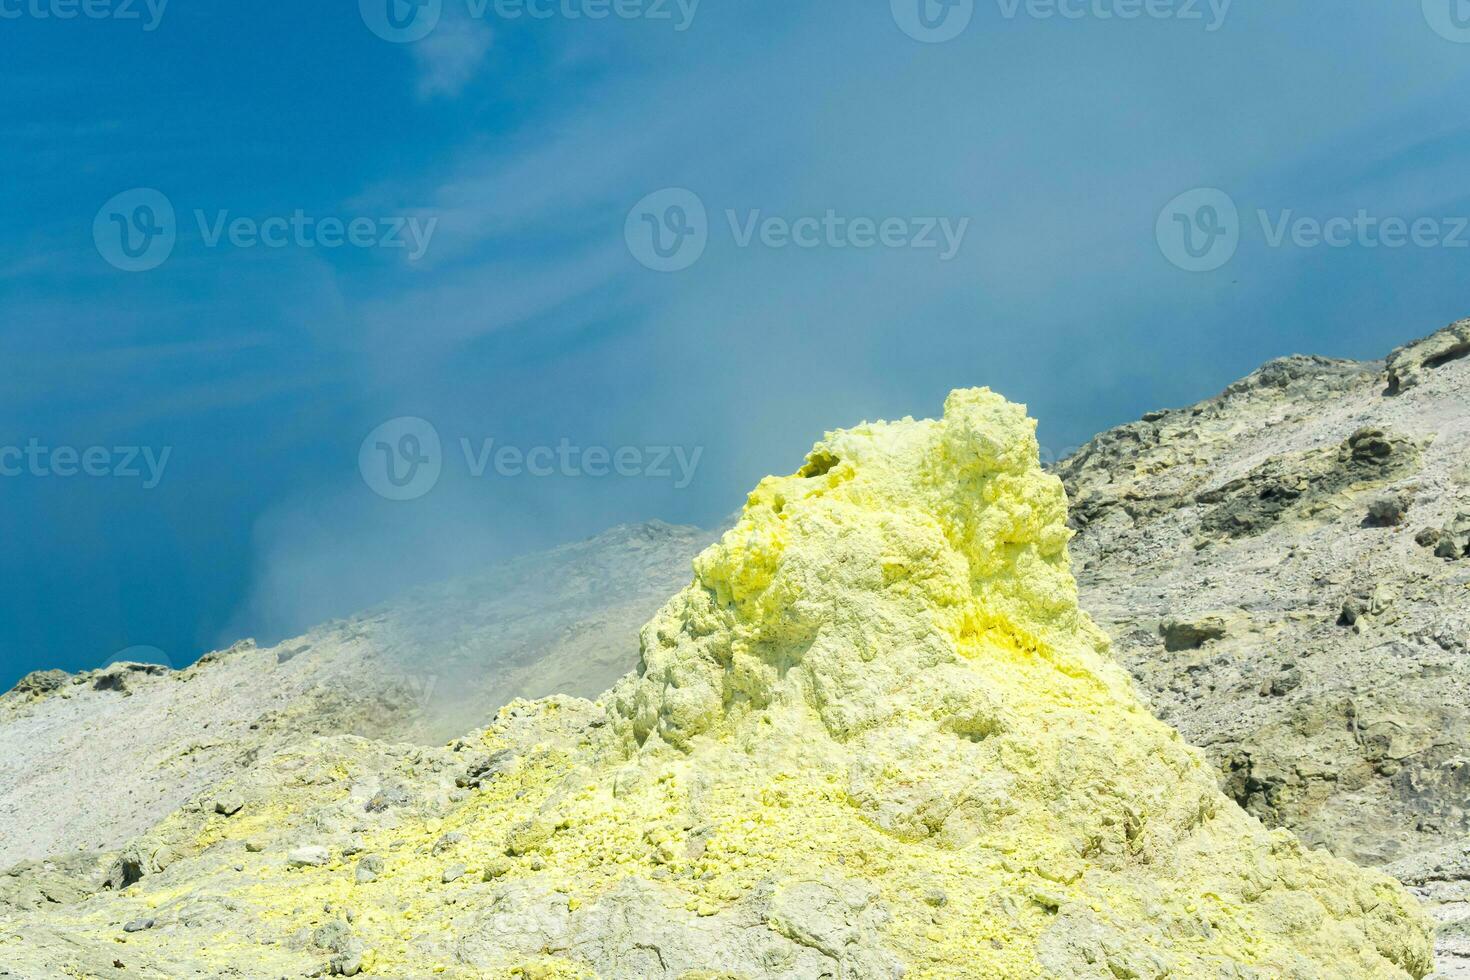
(446, 842)
(497, 868)
(346, 966)
(529, 835)
(228, 806)
(1284, 683)
(936, 898)
(1180, 635)
(313, 856)
(453, 873)
(1354, 608)
(1388, 511)
(42, 682)
(140, 925)
(369, 868)
(163, 858)
(254, 846)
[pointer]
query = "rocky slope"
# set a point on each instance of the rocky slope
(874, 738)
(1284, 569)
(426, 668)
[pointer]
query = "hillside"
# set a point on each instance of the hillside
(875, 738)
(1281, 568)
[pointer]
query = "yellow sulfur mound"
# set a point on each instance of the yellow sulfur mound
(874, 738)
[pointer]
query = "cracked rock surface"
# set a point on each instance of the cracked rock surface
(1283, 571)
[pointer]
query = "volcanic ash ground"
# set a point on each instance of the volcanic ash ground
(874, 738)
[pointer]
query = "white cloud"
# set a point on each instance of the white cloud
(451, 56)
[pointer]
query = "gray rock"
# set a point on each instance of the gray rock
(312, 855)
(1255, 502)
(1191, 634)
(368, 869)
(1388, 511)
(40, 683)
(1411, 365)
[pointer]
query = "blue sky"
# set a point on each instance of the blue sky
(518, 147)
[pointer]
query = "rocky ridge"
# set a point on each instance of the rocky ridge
(1283, 569)
(425, 668)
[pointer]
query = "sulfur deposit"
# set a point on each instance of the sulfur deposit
(874, 738)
